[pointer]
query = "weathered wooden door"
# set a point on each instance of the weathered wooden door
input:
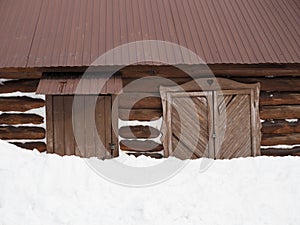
(76, 132)
(190, 122)
(212, 123)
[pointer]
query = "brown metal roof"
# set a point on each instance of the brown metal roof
(51, 33)
(64, 84)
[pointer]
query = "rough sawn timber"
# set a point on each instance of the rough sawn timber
(20, 118)
(21, 104)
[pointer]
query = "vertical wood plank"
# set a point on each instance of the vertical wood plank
(79, 125)
(100, 125)
(115, 125)
(69, 134)
(59, 128)
(89, 122)
(49, 124)
(211, 98)
(108, 126)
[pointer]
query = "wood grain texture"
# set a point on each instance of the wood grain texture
(140, 114)
(218, 70)
(40, 146)
(280, 139)
(281, 151)
(276, 98)
(25, 85)
(49, 124)
(280, 112)
(273, 84)
(22, 118)
(140, 101)
(14, 133)
(20, 74)
(140, 146)
(280, 127)
(59, 125)
(21, 104)
(138, 132)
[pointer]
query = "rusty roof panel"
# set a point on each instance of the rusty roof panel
(51, 33)
(65, 84)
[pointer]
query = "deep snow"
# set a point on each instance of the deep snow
(45, 189)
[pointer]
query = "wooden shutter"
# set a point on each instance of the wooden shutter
(190, 129)
(227, 119)
(61, 133)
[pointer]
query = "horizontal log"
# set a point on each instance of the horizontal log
(13, 119)
(140, 101)
(150, 85)
(273, 84)
(21, 75)
(140, 146)
(280, 139)
(276, 98)
(140, 114)
(152, 155)
(20, 104)
(40, 146)
(217, 70)
(280, 127)
(280, 112)
(28, 85)
(281, 151)
(139, 132)
(11, 133)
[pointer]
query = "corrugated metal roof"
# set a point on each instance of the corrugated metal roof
(47, 33)
(65, 84)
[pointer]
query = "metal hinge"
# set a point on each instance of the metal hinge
(214, 135)
(112, 146)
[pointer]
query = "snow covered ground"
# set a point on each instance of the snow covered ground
(46, 189)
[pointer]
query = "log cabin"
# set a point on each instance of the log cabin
(47, 47)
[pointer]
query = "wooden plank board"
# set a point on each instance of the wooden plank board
(20, 74)
(140, 100)
(89, 110)
(100, 124)
(69, 134)
(24, 85)
(280, 127)
(24, 132)
(150, 85)
(140, 146)
(273, 84)
(276, 98)
(281, 151)
(140, 114)
(59, 126)
(280, 139)
(49, 124)
(21, 104)
(108, 126)
(115, 125)
(139, 132)
(78, 117)
(280, 112)
(21, 118)
(218, 70)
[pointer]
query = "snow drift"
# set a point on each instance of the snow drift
(39, 188)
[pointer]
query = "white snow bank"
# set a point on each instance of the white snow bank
(46, 189)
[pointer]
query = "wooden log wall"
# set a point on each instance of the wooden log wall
(16, 124)
(280, 100)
